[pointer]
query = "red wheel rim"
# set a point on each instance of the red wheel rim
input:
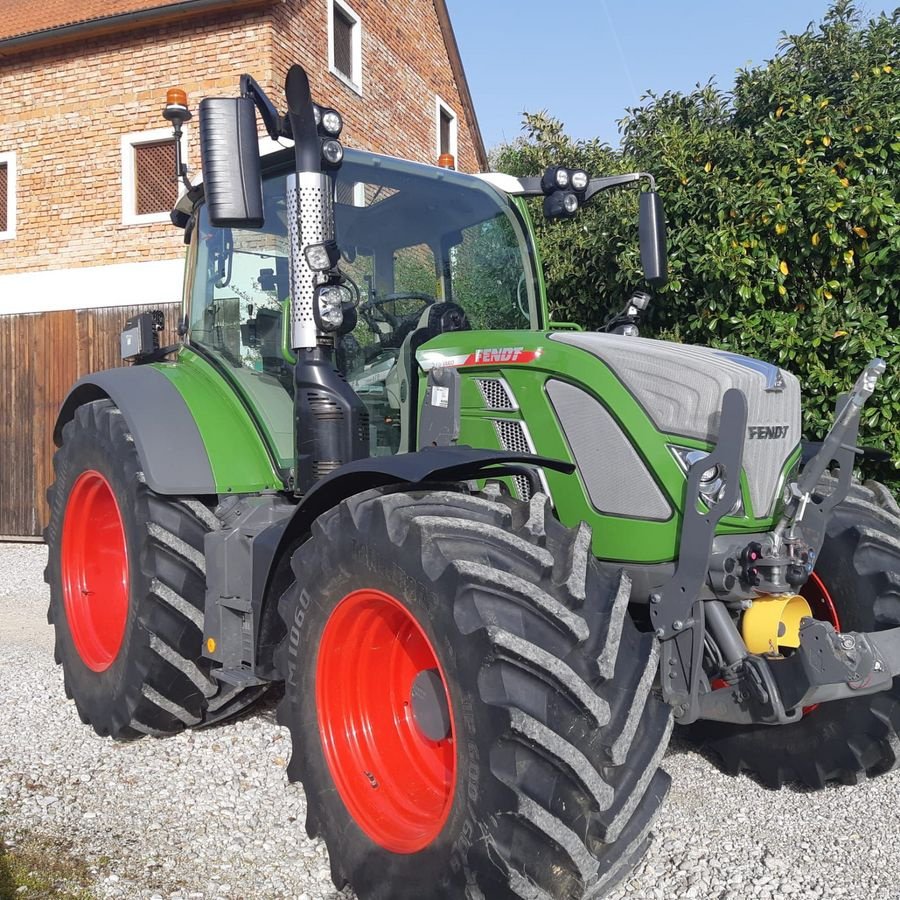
(819, 599)
(396, 783)
(94, 563)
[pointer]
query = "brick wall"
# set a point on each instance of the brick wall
(405, 66)
(63, 111)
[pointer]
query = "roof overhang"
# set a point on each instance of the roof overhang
(119, 22)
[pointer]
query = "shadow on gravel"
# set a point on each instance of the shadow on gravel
(684, 746)
(263, 708)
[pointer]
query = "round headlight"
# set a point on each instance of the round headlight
(570, 202)
(579, 179)
(333, 152)
(332, 122)
(562, 178)
(317, 114)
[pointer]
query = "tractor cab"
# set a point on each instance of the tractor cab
(424, 250)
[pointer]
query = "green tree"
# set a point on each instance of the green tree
(783, 211)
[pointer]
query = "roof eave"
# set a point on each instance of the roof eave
(121, 21)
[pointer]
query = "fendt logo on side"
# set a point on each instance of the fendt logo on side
(767, 432)
(502, 355)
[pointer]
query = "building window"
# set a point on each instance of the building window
(149, 186)
(350, 194)
(446, 130)
(345, 44)
(7, 196)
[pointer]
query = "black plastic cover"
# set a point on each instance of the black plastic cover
(652, 229)
(229, 150)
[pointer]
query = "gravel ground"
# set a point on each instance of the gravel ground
(210, 814)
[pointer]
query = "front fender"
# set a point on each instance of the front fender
(271, 568)
(191, 433)
(455, 463)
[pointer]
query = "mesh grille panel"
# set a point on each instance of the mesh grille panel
(496, 393)
(4, 197)
(523, 487)
(343, 44)
(512, 436)
(154, 177)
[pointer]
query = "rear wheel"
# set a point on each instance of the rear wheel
(472, 710)
(127, 588)
(856, 586)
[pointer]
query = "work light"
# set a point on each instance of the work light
(579, 179)
(560, 205)
(322, 257)
(332, 123)
(329, 306)
(332, 152)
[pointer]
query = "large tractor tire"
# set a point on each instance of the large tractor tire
(127, 588)
(856, 586)
(473, 713)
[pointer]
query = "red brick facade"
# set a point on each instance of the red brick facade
(65, 107)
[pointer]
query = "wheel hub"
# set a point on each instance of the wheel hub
(431, 711)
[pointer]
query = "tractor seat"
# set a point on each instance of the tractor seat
(402, 384)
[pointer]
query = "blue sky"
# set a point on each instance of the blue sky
(585, 61)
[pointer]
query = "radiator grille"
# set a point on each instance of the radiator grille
(496, 393)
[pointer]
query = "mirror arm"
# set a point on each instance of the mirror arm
(595, 185)
(276, 125)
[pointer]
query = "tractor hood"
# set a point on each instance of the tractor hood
(681, 388)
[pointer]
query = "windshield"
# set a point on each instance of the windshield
(422, 245)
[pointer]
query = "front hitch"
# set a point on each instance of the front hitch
(828, 665)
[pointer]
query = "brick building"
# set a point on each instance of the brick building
(86, 160)
(85, 182)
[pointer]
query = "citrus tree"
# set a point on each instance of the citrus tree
(783, 212)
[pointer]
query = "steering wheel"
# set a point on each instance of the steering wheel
(397, 323)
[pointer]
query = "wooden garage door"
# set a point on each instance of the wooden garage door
(41, 355)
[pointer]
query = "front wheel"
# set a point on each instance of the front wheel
(127, 579)
(856, 585)
(472, 711)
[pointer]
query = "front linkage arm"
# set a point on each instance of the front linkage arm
(828, 665)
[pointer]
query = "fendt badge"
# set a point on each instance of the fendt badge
(767, 432)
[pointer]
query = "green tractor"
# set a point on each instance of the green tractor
(491, 561)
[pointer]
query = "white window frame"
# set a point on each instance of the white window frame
(439, 107)
(355, 82)
(9, 160)
(129, 173)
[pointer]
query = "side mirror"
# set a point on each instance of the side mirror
(229, 150)
(652, 230)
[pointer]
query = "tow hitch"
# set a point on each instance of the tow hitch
(828, 665)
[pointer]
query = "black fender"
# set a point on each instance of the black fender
(457, 463)
(272, 547)
(159, 420)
